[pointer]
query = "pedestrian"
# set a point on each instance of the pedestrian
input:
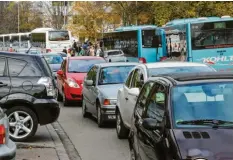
(98, 50)
(91, 51)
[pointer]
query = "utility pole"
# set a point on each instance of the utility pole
(18, 16)
(136, 13)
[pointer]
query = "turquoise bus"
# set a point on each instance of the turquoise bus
(135, 41)
(206, 39)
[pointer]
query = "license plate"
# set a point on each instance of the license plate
(111, 117)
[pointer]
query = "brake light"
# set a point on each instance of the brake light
(47, 81)
(106, 102)
(142, 60)
(2, 134)
(163, 58)
(48, 50)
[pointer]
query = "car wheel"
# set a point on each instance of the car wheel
(99, 116)
(23, 123)
(122, 131)
(84, 110)
(59, 96)
(65, 101)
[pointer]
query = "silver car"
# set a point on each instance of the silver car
(7, 147)
(100, 89)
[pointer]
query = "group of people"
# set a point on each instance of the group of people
(85, 49)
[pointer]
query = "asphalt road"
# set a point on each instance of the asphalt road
(91, 142)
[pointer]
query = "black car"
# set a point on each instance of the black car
(184, 116)
(27, 93)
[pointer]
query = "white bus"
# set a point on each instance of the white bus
(18, 41)
(51, 40)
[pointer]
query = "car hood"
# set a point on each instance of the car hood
(78, 77)
(109, 91)
(55, 67)
(212, 144)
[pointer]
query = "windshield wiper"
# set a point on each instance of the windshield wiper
(215, 123)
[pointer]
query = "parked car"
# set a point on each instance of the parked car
(54, 60)
(64, 55)
(183, 115)
(7, 146)
(100, 89)
(127, 95)
(27, 93)
(71, 75)
(113, 52)
(122, 58)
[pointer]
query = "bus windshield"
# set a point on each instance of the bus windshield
(212, 35)
(58, 35)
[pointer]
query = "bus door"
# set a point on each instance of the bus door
(212, 43)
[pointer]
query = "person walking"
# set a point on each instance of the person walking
(92, 51)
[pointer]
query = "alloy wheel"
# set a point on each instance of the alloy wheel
(21, 124)
(118, 127)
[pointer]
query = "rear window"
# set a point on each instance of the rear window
(82, 65)
(113, 53)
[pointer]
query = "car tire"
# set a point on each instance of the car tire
(122, 131)
(22, 113)
(99, 115)
(65, 101)
(84, 110)
(59, 96)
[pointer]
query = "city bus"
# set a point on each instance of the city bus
(51, 40)
(16, 41)
(135, 41)
(205, 39)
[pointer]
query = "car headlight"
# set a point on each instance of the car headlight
(72, 83)
(110, 102)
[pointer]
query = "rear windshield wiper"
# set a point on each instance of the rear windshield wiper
(215, 123)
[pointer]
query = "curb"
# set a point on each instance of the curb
(67, 143)
(61, 152)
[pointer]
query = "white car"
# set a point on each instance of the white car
(127, 95)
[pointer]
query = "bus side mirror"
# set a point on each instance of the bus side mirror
(156, 42)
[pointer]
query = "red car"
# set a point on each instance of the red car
(71, 75)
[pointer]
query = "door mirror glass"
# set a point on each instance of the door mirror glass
(134, 91)
(151, 124)
(60, 72)
(89, 82)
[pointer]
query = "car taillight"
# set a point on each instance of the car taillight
(48, 50)
(2, 134)
(142, 60)
(47, 81)
(163, 58)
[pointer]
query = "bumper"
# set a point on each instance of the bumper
(8, 151)
(47, 110)
(108, 113)
(73, 94)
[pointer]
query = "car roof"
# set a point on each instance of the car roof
(17, 54)
(173, 64)
(178, 78)
(112, 64)
(86, 57)
(50, 54)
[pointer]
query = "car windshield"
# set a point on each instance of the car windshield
(196, 105)
(183, 69)
(122, 59)
(114, 74)
(53, 59)
(82, 65)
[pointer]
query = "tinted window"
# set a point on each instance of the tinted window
(137, 78)
(58, 35)
(38, 39)
(16, 66)
(183, 69)
(15, 40)
(203, 101)
(53, 59)
(156, 103)
(141, 102)
(2, 66)
(82, 66)
(127, 83)
(91, 75)
(114, 75)
(147, 37)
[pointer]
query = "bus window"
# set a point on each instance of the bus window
(7, 41)
(59, 36)
(15, 41)
(24, 41)
(147, 38)
(1, 42)
(38, 39)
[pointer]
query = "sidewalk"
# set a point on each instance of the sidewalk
(46, 145)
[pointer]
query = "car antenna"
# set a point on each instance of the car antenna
(29, 49)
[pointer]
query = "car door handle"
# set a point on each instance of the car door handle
(3, 84)
(126, 98)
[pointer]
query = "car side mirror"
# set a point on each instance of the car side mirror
(151, 124)
(89, 82)
(134, 91)
(60, 72)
